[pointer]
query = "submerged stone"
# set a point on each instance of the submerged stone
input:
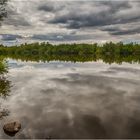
(12, 128)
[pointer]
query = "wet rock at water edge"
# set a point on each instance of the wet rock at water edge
(12, 128)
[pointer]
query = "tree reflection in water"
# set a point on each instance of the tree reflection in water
(4, 82)
(5, 85)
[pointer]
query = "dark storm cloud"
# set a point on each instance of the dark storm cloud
(51, 6)
(92, 20)
(79, 19)
(118, 31)
(61, 37)
(46, 37)
(54, 20)
(9, 37)
(115, 6)
(127, 32)
(47, 8)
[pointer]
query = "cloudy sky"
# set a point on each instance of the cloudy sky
(69, 21)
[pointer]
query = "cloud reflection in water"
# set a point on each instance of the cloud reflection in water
(66, 100)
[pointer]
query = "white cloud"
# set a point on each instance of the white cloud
(98, 20)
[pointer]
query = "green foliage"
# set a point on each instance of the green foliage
(3, 67)
(108, 52)
(4, 87)
(4, 83)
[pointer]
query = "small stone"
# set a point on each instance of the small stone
(12, 128)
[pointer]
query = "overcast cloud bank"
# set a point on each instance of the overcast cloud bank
(74, 21)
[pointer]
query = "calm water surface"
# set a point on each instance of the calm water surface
(73, 100)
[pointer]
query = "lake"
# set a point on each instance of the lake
(73, 100)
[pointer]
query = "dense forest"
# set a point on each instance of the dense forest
(108, 52)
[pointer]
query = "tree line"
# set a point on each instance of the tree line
(108, 52)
